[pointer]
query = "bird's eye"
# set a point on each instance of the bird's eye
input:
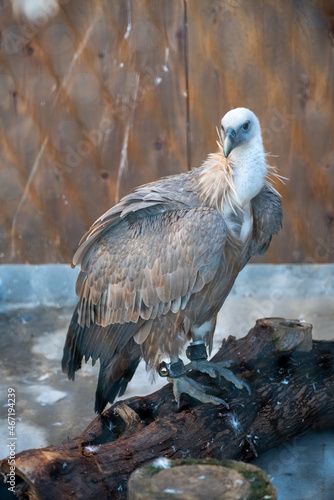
(246, 126)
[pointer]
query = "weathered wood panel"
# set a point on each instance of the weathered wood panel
(94, 100)
(275, 58)
(92, 105)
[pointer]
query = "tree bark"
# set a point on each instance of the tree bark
(292, 392)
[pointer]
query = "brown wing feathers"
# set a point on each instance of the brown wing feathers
(268, 215)
(172, 192)
(144, 270)
(137, 272)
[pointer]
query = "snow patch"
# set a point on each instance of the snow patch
(162, 463)
(173, 492)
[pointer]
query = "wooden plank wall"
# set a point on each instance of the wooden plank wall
(98, 97)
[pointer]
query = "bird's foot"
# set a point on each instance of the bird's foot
(186, 385)
(217, 370)
(196, 352)
(177, 375)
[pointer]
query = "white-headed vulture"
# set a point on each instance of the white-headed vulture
(157, 267)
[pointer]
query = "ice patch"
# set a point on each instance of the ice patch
(28, 436)
(50, 347)
(47, 395)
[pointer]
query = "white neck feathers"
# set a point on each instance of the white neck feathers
(234, 180)
(249, 170)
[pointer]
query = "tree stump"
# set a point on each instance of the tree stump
(292, 384)
(199, 480)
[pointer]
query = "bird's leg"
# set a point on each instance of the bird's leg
(196, 352)
(176, 374)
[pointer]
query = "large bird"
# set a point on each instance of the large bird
(157, 267)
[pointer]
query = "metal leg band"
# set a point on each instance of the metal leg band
(196, 351)
(172, 370)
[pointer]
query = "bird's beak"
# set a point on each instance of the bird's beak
(229, 141)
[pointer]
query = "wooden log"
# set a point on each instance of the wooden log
(292, 393)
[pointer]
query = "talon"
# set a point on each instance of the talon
(247, 387)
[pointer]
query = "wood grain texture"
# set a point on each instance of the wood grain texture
(92, 105)
(275, 58)
(103, 96)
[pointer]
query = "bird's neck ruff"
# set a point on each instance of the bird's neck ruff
(216, 186)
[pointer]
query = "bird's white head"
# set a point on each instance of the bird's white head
(237, 172)
(240, 129)
(243, 148)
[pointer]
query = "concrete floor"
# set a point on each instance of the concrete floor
(36, 307)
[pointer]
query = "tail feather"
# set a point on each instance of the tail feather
(72, 354)
(118, 353)
(108, 389)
